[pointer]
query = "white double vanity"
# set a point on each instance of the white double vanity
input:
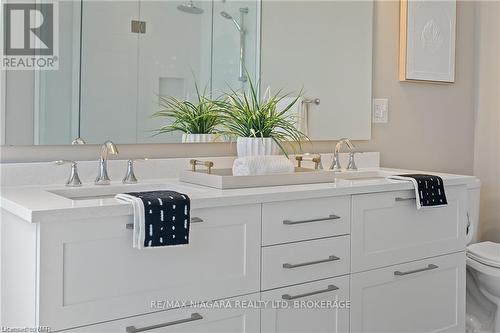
(358, 246)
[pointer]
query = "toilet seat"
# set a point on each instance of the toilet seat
(483, 268)
(487, 253)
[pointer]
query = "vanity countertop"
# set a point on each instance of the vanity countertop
(38, 204)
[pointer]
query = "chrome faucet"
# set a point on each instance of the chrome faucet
(336, 159)
(107, 147)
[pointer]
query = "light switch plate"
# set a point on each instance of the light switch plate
(380, 110)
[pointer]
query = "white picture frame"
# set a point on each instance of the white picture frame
(427, 40)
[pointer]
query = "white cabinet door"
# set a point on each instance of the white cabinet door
(320, 306)
(90, 273)
(387, 228)
(220, 317)
(421, 296)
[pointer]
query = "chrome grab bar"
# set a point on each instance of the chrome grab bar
(194, 316)
(404, 199)
(193, 220)
(331, 287)
(330, 258)
(428, 268)
(330, 217)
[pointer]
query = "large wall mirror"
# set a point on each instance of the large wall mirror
(117, 58)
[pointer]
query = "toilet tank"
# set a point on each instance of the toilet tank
(473, 196)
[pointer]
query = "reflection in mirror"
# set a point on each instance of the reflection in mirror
(117, 58)
(41, 107)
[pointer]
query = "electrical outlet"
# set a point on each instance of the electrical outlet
(380, 110)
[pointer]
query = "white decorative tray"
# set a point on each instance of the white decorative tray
(224, 179)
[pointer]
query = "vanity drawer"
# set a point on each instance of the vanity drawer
(316, 307)
(386, 229)
(194, 319)
(90, 272)
(421, 296)
(287, 264)
(290, 221)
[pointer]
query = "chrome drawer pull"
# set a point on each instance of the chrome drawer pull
(193, 220)
(331, 287)
(194, 316)
(428, 268)
(405, 199)
(331, 217)
(330, 258)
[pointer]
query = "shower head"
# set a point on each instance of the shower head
(190, 8)
(228, 16)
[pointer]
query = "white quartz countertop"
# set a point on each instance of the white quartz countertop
(38, 204)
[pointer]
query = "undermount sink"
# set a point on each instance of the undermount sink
(109, 191)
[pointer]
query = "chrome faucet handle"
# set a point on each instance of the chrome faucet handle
(351, 166)
(74, 179)
(130, 177)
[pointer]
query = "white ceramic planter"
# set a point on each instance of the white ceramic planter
(193, 138)
(256, 147)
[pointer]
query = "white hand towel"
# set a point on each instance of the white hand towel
(262, 165)
(297, 113)
(139, 219)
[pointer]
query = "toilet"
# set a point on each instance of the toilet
(483, 258)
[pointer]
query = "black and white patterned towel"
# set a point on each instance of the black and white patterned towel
(161, 218)
(429, 189)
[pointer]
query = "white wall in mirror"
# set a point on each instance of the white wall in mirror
(325, 48)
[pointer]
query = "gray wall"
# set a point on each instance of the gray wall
(431, 126)
(487, 152)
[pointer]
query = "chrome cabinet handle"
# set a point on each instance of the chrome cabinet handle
(330, 258)
(331, 217)
(405, 199)
(428, 268)
(193, 220)
(331, 287)
(194, 316)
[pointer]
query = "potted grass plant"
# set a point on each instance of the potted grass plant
(259, 126)
(197, 121)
